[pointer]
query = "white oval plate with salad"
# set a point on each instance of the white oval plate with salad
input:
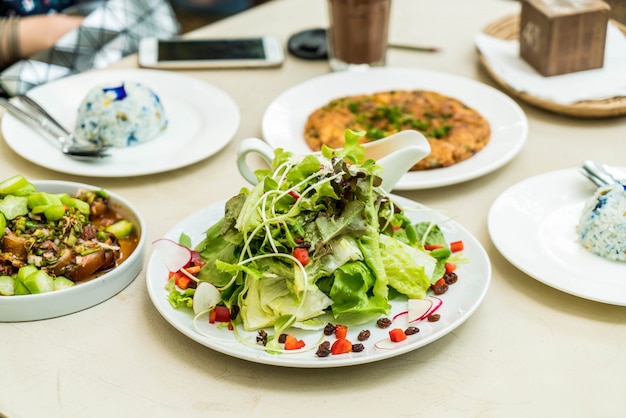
(202, 119)
(459, 303)
(284, 119)
(533, 225)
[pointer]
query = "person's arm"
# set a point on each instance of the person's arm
(25, 36)
(38, 32)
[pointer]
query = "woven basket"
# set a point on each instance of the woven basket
(507, 28)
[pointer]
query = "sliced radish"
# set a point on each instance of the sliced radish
(174, 255)
(387, 344)
(398, 315)
(205, 297)
(419, 309)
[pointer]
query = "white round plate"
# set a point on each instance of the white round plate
(459, 302)
(203, 119)
(284, 120)
(84, 295)
(533, 224)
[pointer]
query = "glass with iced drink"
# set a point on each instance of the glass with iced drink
(357, 35)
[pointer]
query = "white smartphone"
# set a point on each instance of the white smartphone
(261, 51)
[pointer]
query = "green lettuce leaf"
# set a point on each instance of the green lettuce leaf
(270, 295)
(409, 269)
(352, 150)
(429, 234)
(301, 171)
(351, 221)
(215, 248)
(178, 298)
(353, 302)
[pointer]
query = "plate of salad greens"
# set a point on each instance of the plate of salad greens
(316, 267)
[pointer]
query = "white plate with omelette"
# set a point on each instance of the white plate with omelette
(285, 118)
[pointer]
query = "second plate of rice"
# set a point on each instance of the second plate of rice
(535, 226)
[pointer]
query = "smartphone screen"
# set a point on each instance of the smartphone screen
(262, 51)
(202, 50)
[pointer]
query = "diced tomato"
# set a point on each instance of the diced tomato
(212, 316)
(341, 346)
(294, 194)
(292, 343)
(302, 255)
(222, 314)
(181, 280)
(450, 267)
(219, 314)
(456, 246)
(397, 334)
(432, 247)
(341, 331)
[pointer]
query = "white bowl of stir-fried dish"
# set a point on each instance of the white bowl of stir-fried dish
(64, 247)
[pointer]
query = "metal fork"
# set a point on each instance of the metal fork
(602, 174)
(35, 116)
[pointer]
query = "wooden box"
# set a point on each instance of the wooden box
(563, 36)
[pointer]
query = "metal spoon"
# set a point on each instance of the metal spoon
(35, 116)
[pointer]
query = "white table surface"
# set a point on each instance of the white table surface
(529, 350)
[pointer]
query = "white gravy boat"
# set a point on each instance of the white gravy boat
(396, 154)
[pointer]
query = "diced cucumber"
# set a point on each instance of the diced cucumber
(25, 271)
(7, 286)
(121, 229)
(26, 190)
(38, 199)
(39, 282)
(47, 203)
(62, 282)
(12, 184)
(51, 212)
(13, 206)
(82, 206)
(20, 289)
(3, 224)
(72, 202)
(54, 212)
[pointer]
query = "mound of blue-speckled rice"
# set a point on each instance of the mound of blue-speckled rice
(602, 225)
(120, 115)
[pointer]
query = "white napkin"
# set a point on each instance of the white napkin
(603, 83)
